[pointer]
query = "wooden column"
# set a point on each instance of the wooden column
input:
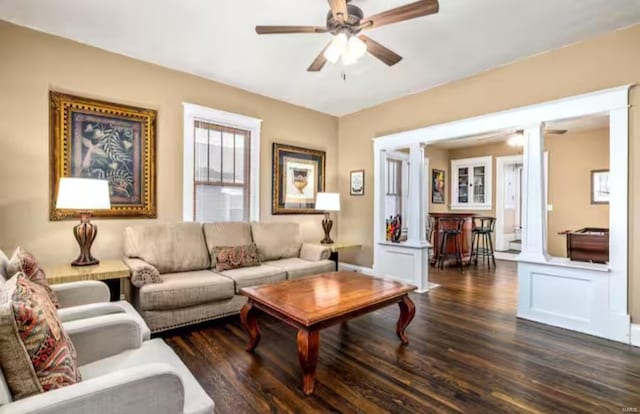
(534, 232)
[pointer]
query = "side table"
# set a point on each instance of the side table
(336, 247)
(106, 270)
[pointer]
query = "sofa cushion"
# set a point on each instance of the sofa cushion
(227, 234)
(4, 262)
(26, 263)
(253, 276)
(36, 353)
(228, 258)
(179, 290)
(170, 248)
(276, 240)
(296, 268)
(196, 400)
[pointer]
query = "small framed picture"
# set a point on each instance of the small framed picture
(600, 187)
(437, 186)
(357, 183)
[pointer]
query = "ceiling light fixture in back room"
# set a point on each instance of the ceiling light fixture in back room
(345, 21)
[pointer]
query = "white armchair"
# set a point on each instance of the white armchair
(121, 374)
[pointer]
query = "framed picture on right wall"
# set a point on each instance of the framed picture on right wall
(437, 186)
(600, 187)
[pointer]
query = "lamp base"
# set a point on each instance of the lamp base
(85, 233)
(327, 224)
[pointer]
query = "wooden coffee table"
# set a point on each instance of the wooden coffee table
(312, 303)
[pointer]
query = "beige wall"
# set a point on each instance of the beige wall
(572, 157)
(33, 63)
(606, 61)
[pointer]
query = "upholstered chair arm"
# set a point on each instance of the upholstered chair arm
(90, 310)
(142, 273)
(314, 252)
(81, 293)
(103, 336)
(148, 388)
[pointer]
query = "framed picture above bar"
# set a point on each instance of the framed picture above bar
(102, 140)
(437, 186)
(600, 187)
(298, 175)
(356, 183)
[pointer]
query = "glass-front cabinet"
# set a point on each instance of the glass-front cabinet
(471, 183)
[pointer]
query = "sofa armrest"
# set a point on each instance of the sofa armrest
(148, 388)
(81, 293)
(90, 310)
(142, 273)
(103, 336)
(314, 252)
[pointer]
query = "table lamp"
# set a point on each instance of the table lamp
(327, 202)
(83, 195)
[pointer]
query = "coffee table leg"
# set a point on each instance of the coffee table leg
(407, 312)
(308, 344)
(250, 324)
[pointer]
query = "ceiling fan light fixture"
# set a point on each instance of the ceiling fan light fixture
(355, 49)
(336, 48)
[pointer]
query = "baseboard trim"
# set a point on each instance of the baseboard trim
(510, 257)
(634, 334)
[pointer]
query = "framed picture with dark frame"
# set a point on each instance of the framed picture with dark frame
(600, 187)
(103, 140)
(438, 186)
(356, 183)
(298, 176)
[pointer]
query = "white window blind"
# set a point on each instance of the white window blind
(221, 173)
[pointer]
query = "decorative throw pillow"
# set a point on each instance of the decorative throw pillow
(227, 258)
(35, 352)
(25, 262)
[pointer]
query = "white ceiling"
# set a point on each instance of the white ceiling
(216, 39)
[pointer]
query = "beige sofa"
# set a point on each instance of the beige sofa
(190, 290)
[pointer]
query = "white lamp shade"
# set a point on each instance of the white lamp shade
(328, 201)
(83, 194)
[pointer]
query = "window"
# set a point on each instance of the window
(221, 173)
(221, 166)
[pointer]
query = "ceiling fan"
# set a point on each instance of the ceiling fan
(345, 21)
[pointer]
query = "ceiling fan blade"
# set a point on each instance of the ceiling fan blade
(319, 61)
(384, 54)
(402, 13)
(289, 29)
(339, 10)
(556, 131)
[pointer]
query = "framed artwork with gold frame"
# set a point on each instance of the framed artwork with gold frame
(96, 139)
(298, 175)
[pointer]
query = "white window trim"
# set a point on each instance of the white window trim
(487, 163)
(215, 116)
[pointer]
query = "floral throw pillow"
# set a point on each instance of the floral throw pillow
(37, 354)
(227, 258)
(25, 262)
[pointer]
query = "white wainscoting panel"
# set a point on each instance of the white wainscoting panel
(403, 263)
(571, 298)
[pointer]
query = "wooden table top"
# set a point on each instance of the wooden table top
(105, 270)
(321, 297)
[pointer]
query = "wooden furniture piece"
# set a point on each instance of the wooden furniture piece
(481, 242)
(336, 247)
(107, 270)
(450, 231)
(450, 246)
(312, 303)
(590, 244)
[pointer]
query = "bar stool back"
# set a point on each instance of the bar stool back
(450, 228)
(481, 242)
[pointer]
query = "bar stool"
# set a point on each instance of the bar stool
(482, 230)
(450, 227)
(431, 228)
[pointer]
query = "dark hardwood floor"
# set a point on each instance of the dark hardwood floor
(468, 354)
